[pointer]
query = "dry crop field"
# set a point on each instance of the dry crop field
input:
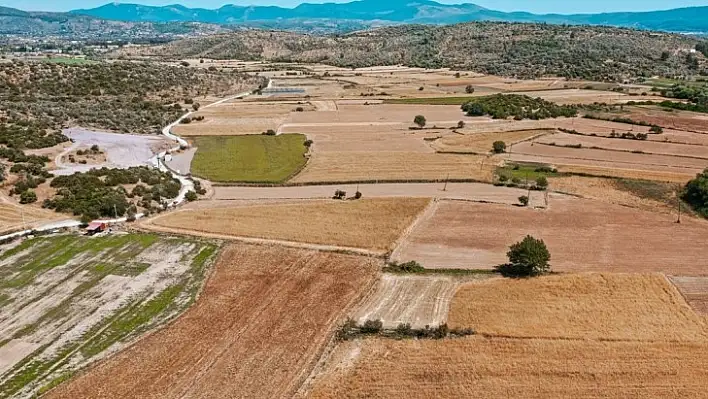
(68, 301)
(587, 335)
(481, 143)
(416, 300)
(605, 237)
(373, 224)
(11, 217)
(695, 291)
(616, 307)
(681, 120)
(256, 330)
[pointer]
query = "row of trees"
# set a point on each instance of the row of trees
(503, 106)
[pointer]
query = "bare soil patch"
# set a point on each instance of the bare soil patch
(367, 223)
(633, 307)
(695, 290)
(256, 330)
(582, 235)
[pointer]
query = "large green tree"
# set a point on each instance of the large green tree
(527, 258)
(696, 193)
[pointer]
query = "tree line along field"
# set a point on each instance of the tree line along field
(250, 159)
(68, 301)
(586, 335)
(257, 330)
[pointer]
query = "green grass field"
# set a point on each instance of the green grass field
(71, 298)
(431, 100)
(249, 159)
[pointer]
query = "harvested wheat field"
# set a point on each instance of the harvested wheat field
(368, 223)
(383, 113)
(581, 234)
(478, 367)
(393, 166)
(415, 300)
(695, 290)
(11, 217)
(481, 143)
(603, 171)
(683, 120)
(256, 330)
(632, 307)
(365, 137)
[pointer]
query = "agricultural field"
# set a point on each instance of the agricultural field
(256, 330)
(615, 238)
(250, 159)
(667, 118)
(586, 335)
(694, 290)
(481, 143)
(617, 307)
(69, 301)
(16, 217)
(373, 224)
(404, 299)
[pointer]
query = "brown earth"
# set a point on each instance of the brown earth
(581, 234)
(368, 223)
(481, 143)
(256, 331)
(695, 290)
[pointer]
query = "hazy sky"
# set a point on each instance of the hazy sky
(538, 6)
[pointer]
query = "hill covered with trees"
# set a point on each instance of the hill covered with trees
(520, 50)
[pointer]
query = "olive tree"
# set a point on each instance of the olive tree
(527, 258)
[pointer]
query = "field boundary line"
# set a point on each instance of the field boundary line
(348, 182)
(149, 226)
(638, 152)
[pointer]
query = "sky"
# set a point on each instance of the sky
(536, 6)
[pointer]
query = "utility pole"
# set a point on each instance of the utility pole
(24, 224)
(446, 179)
(115, 211)
(678, 206)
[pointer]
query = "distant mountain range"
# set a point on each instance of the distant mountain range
(692, 19)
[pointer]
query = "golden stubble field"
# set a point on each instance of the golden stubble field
(373, 224)
(256, 330)
(588, 335)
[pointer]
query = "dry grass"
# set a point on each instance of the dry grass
(584, 306)
(674, 177)
(605, 189)
(368, 223)
(478, 367)
(382, 166)
(481, 143)
(255, 332)
(11, 217)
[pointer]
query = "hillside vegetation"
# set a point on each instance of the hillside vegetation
(521, 50)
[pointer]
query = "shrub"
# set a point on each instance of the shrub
(503, 178)
(407, 267)
(299, 109)
(524, 200)
(339, 195)
(542, 182)
(357, 195)
(469, 89)
(372, 327)
(656, 129)
(461, 124)
(696, 193)
(420, 121)
(269, 132)
(196, 106)
(499, 147)
(28, 197)
(308, 143)
(527, 258)
(191, 196)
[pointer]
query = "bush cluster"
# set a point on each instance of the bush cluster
(351, 330)
(503, 106)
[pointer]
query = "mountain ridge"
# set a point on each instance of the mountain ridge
(687, 19)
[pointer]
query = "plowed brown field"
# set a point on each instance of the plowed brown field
(255, 332)
(695, 290)
(582, 235)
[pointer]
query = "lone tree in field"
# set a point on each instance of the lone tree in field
(527, 258)
(420, 121)
(469, 89)
(523, 200)
(542, 182)
(696, 193)
(499, 147)
(656, 129)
